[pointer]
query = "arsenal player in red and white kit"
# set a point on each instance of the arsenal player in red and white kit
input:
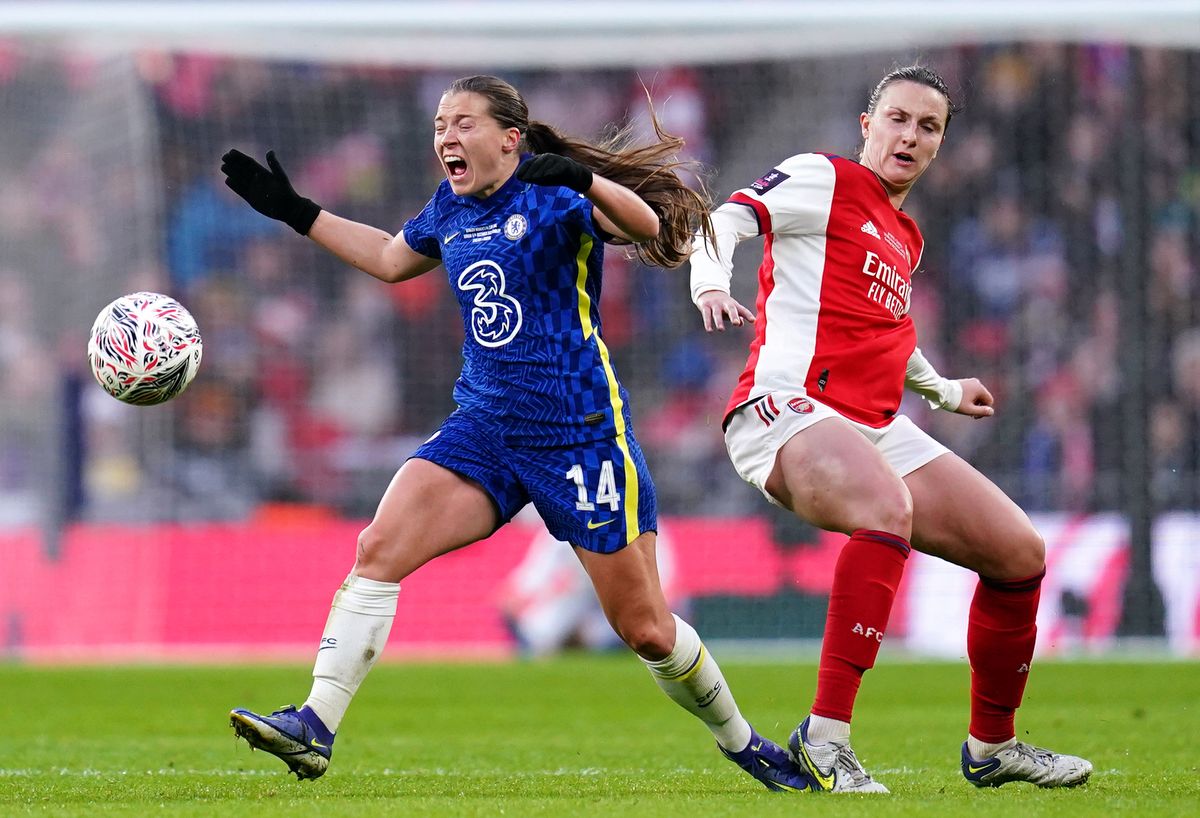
(813, 423)
(834, 286)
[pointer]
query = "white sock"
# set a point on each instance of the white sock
(690, 676)
(980, 750)
(355, 633)
(822, 730)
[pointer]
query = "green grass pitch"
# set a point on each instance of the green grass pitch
(584, 735)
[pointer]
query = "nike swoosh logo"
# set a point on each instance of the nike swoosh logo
(757, 747)
(592, 525)
(451, 237)
(824, 780)
(316, 743)
(971, 768)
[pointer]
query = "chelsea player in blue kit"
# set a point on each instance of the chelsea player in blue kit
(541, 415)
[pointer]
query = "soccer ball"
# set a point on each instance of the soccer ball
(145, 348)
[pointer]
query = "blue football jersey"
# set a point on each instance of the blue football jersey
(525, 264)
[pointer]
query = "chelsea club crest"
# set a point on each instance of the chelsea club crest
(515, 227)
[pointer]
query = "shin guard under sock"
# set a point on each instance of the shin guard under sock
(865, 579)
(1001, 633)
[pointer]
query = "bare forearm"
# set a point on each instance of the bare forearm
(627, 212)
(360, 245)
(374, 251)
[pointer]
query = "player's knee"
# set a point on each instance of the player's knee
(1030, 554)
(892, 511)
(374, 549)
(1018, 556)
(647, 638)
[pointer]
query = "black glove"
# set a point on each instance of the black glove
(268, 191)
(552, 169)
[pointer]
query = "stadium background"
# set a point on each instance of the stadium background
(1061, 227)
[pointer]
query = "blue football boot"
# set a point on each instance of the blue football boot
(297, 737)
(770, 764)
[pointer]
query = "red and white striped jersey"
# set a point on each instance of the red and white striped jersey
(834, 288)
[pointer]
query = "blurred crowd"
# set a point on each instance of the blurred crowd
(1060, 221)
(1061, 226)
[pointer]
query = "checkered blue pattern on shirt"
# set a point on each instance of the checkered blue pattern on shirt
(526, 266)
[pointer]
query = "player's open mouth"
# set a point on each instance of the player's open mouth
(456, 167)
(904, 158)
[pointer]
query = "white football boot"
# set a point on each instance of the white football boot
(833, 765)
(1024, 762)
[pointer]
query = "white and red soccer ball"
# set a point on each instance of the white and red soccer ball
(145, 348)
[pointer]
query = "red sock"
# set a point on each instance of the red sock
(864, 585)
(1001, 632)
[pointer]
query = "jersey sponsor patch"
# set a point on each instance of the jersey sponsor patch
(495, 316)
(768, 180)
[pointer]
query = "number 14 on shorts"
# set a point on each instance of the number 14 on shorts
(606, 488)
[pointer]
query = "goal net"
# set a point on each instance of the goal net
(1060, 221)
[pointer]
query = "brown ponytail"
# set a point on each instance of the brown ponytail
(648, 170)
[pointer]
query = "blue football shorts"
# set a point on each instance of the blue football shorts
(597, 495)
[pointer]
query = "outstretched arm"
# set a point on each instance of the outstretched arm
(374, 251)
(268, 190)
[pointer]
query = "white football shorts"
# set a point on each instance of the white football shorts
(758, 429)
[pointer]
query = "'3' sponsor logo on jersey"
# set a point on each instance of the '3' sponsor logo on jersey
(495, 315)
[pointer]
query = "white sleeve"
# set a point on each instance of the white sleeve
(922, 378)
(712, 263)
(794, 198)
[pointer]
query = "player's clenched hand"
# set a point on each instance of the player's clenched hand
(976, 399)
(268, 191)
(552, 169)
(715, 306)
